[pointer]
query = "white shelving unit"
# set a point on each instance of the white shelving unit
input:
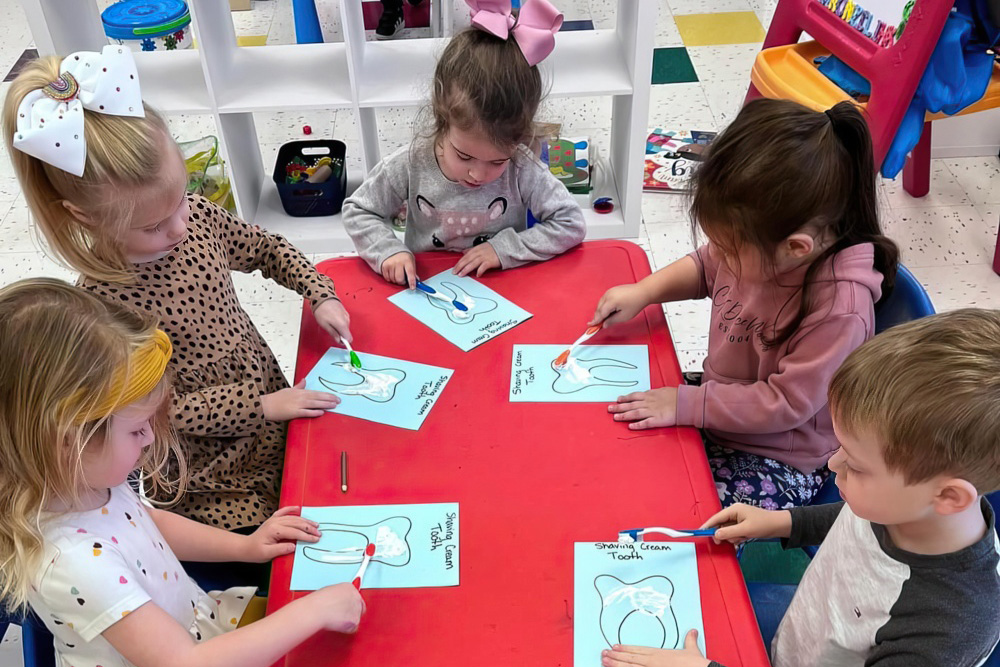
(232, 82)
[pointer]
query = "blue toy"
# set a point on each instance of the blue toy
(956, 76)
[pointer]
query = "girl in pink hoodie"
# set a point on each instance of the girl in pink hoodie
(794, 264)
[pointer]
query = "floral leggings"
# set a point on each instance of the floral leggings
(741, 477)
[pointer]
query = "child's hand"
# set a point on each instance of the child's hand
(742, 522)
(333, 317)
(400, 269)
(480, 259)
(648, 409)
(626, 656)
(276, 536)
(339, 607)
(295, 402)
(620, 304)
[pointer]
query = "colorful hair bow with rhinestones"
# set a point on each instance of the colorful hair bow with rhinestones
(50, 119)
(534, 29)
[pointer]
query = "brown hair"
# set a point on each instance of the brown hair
(780, 167)
(121, 163)
(929, 392)
(62, 350)
(483, 83)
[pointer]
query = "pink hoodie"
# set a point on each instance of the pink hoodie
(771, 400)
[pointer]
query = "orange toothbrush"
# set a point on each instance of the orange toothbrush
(564, 357)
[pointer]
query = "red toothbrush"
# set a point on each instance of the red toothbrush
(369, 552)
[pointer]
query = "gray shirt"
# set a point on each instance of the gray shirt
(864, 602)
(444, 215)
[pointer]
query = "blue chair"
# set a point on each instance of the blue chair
(36, 641)
(907, 301)
(4, 625)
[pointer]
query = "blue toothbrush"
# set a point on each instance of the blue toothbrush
(635, 534)
(424, 287)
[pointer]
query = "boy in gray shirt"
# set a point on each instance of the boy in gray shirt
(908, 574)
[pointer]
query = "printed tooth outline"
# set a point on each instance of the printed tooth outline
(350, 389)
(601, 382)
(612, 626)
(318, 555)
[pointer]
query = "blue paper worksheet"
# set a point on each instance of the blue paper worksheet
(639, 594)
(487, 314)
(416, 546)
(593, 374)
(384, 390)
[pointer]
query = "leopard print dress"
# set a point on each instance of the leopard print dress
(221, 365)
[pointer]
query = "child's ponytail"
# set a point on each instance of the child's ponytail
(859, 223)
(123, 155)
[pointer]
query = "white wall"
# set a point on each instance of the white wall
(977, 134)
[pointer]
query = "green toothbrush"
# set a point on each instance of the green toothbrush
(354, 355)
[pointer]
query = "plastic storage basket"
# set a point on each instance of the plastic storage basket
(307, 199)
(148, 25)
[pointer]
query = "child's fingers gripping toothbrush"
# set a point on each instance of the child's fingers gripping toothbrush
(333, 318)
(739, 523)
(400, 269)
(620, 304)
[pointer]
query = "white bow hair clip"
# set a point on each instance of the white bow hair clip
(50, 119)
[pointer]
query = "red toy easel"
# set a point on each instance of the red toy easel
(784, 69)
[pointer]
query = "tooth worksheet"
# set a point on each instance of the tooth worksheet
(384, 390)
(462, 309)
(592, 373)
(416, 546)
(639, 594)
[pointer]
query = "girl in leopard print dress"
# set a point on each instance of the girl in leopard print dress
(128, 225)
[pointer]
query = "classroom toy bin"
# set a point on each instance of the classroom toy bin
(304, 199)
(149, 25)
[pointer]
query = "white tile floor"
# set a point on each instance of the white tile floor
(947, 238)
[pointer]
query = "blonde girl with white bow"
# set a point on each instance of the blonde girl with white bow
(83, 393)
(107, 187)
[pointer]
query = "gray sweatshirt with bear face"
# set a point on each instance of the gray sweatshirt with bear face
(444, 215)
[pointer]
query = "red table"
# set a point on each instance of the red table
(531, 479)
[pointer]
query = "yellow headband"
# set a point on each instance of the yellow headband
(147, 366)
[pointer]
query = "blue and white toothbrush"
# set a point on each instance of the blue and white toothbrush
(635, 534)
(431, 292)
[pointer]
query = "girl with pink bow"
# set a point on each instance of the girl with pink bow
(108, 189)
(468, 184)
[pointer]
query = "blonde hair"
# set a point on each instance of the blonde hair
(929, 392)
(62, 350)
(122, 160)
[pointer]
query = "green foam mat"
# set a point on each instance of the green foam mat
(768, 563)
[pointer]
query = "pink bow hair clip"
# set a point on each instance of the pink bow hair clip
(534, 29)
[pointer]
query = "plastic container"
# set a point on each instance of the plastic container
(304, 199)
(149, 25)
